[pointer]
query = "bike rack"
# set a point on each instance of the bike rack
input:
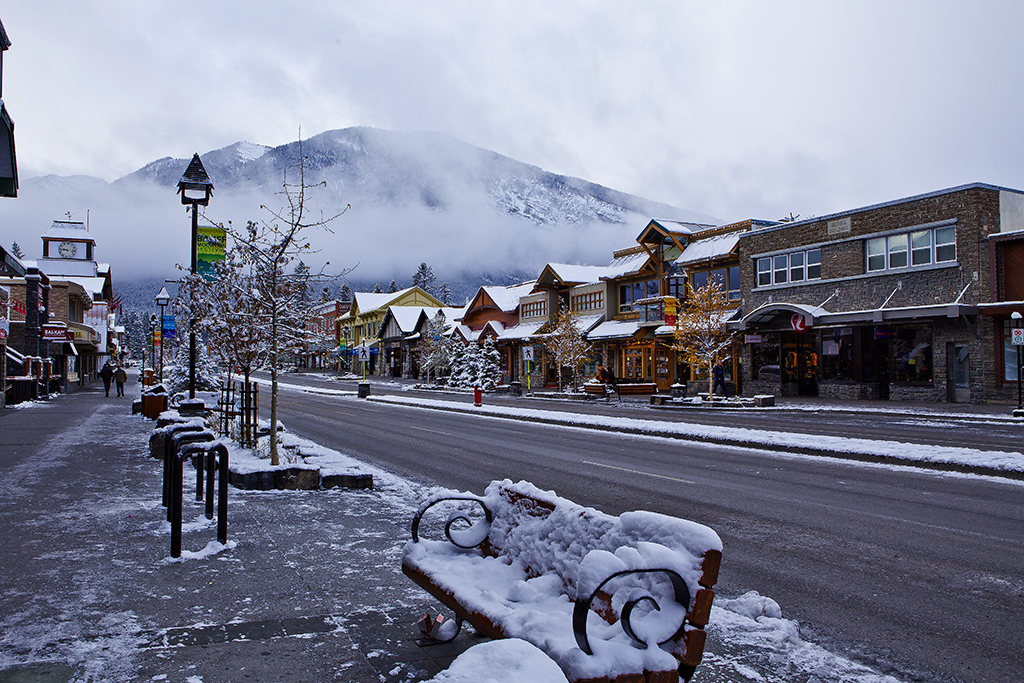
(216, 458)
(178, 435)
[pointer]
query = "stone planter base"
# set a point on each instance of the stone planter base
(298, 479)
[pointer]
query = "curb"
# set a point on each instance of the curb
(795, 450)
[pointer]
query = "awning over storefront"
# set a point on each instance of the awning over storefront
(815, 316)
(613, 329)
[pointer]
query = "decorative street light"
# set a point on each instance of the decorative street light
(1017, 333)
(195, 188)
(162, 299)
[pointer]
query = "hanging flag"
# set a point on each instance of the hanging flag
(210, 246)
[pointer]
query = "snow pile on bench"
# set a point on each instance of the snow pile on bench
(542, 551)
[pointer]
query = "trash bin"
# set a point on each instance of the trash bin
(364, 389)
(515, 388)
(678, 390)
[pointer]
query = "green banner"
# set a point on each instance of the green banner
(210, 246)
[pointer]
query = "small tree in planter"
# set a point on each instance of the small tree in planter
(567, 345)
(700, 336)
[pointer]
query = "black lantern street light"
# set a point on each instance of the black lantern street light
(195, 189)
(162, 299)
(1018, 324)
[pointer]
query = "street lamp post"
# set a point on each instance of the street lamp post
(1018, 340)
(162, 299)
(152, 342)
(195, 188)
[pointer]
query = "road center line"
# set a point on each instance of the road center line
(424, 429)
(646, 474)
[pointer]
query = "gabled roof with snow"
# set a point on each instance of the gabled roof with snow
(507, 298)
(709, 249)
(406, 317)
(627, 263)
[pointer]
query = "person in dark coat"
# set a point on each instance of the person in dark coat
(120, 377)
(106, 374)
(719, 374)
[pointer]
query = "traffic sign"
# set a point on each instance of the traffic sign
(364, 353)
(528, 353)
(1017, 336)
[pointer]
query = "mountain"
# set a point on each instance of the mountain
(414, 197)
(368, 167)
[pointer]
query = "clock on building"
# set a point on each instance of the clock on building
(67, 249)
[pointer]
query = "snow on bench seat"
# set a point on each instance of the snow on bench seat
(539, 562)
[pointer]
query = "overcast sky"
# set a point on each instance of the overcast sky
(734, 109)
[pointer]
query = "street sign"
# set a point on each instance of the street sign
(1017, 336)
(528, 353)
(364, 353)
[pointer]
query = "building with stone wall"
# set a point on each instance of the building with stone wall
(905, 300)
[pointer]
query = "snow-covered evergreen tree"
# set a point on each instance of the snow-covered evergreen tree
(444, 293)
(393, 287)
(346, 293)
(16, 250)
(490, 366)
(436, 348)
(208, 374)
(424, 278)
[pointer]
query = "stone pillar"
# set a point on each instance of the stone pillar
(33, 328)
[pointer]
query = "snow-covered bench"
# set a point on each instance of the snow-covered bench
(607, 598)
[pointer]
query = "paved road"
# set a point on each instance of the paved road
(916, 573)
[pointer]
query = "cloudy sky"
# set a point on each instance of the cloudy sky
(734, 109)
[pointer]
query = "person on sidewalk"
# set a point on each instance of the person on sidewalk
(719, 374)
(106, 374)
(120, 377)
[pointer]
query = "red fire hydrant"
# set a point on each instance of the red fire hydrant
(478, 396)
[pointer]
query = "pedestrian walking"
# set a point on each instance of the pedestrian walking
(719, 374)
(106, 374)
(120, 377)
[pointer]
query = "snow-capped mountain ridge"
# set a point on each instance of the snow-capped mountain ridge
(372, 167)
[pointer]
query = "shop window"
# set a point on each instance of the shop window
(632, 292)
(1009, 354)
(591, 301)
(925, 247)
(765, 365)
(634, 364)
(781, 269)
(945, 244)
(794, 267)
(734, 282)
(912, 354)
(922, 245)
(535, 309)
(676, 286)
(814, 264)
(898, 251)
(837, 354)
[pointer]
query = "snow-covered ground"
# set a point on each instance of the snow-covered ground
(342, 553)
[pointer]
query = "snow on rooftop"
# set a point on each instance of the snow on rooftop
(709, 248)
(369, 301)
(507, 298)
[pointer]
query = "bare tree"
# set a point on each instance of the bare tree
(566, 343)
(268, 246)
(700, 336)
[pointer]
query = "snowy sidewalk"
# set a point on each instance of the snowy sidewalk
(307, 588)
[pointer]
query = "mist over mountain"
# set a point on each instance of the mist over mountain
(414, 197)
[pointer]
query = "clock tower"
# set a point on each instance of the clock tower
(68, 249)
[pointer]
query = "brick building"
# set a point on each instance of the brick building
(905, 300)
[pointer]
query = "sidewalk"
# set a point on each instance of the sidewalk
(307, 589)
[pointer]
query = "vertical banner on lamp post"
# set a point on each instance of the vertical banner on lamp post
(210, 245)
(168, 327)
